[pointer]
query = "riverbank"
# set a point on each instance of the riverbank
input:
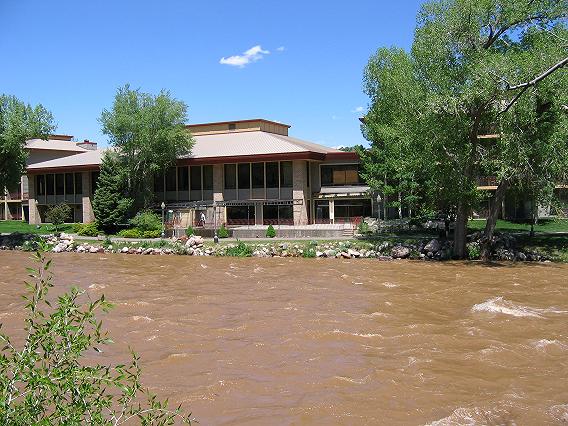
(506, 247)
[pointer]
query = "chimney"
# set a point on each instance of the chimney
(87, 144)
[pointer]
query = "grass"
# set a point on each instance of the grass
(9, 226)
(544, 225)
(553, 246)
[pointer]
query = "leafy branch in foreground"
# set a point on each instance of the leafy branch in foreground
(49, 381)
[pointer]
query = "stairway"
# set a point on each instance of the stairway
(348, 231)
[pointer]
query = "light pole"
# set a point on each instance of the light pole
(163, 212)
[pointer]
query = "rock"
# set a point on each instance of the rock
(385, 258)
(93, 249)
(345, 255)
(400, 252)
(521, 256)
(124, 250)
(353, 253)
(329, 253)
(59, 248)
(64, 236)
(320, 254)
(433, 246)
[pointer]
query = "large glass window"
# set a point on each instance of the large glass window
(195, 175)
(50, 184)
(258, 175)
(337, 175)
(69, 188)
(208, 178)
(40, 183)
(78, 183)
(244, 176)
(286, 174)
(230, 176)
(183, 179)
(59, 184)
(171, 179)
(272, 175)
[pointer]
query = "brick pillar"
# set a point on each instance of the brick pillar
(35, 218)
(88, 214)
(299, 192)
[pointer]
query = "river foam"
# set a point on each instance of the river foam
(501, 306)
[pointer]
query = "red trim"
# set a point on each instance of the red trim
(341, 156)
(252, 158)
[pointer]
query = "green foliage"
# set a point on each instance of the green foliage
(363, 228)
(86, 229)
(58, 214)
(152, 234)
(18, 123)
(147, 221)
(138, 233)
(148, 132)
(222, 232)
(239, 250)
(473, 251)
(270, 232)
(189, 231)
(48, 381)
(111, 203)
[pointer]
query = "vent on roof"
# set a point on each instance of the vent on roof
(87, 144)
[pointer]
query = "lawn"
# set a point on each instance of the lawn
(553, 246)
(544, 225)
(9, 226)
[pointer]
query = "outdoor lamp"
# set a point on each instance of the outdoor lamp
(163, 205)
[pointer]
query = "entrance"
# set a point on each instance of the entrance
(322, 211)
(351, 211)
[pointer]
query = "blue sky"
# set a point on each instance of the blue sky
(303, 63)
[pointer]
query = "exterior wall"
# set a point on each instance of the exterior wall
(88, 214)
(34, 217)
(300, 193)
(242, 126)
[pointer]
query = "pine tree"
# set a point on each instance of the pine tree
(110, 205)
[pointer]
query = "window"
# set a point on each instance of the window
(244, 176)
(69, 187)
(183, 179)
(337, 175)
(230, 176)
(286, 174)
(159, 183)
(195, 175)
(171, 179)
(40, 182)
(50, 184)
(79, 183)
(208, 178)
(258, 175)
(59, 184)
(232, 126)
(272, 175)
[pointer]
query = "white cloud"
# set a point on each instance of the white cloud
(358, 109)
(254, 54)
(281, 49)
(335, 117)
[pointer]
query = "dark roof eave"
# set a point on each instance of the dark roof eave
(307, 155)
(81, 168)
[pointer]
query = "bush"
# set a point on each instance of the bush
(270, 231)
(473, 251)
(147, 221)
(88, 230)
(222, 232)
(47, 380)
(58, 214)
(363, 228)
(151, 234)
(130, 233)
(240, 250)
(189, 231)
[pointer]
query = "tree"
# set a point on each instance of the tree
(148, 133)
(455, 89)
(49, 381)
(18, 123)
(58, 214)
(111, 203)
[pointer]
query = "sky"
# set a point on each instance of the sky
(297, 62)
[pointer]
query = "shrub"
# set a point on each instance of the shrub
(88, 230)
(363, 228)
(309, 252)
(151, 234)
(189, 231)
(77, 227)
(58, 214)
(240, 250)
(473, 251)
(270, 231)
(47, 380)
(147, 221)
(130, 233)
(222, 232)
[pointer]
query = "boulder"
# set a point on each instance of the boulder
(400, 252)
(329, 253)
(353, 253)
(433, 246)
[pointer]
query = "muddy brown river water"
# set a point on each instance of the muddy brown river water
(314, 341)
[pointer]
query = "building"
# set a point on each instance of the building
(14, 203)
(238, 173)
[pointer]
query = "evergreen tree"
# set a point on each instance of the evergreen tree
(110, 204)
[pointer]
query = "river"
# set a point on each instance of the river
(326, 341)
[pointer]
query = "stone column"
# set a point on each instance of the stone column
(34, 218)
(299, 192)
(88, 214)
(258, 214)
(331, 211)
(218, 193)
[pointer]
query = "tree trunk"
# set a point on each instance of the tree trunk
(494, 208)
(460, 231)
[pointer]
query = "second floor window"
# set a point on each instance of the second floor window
(338, 175)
